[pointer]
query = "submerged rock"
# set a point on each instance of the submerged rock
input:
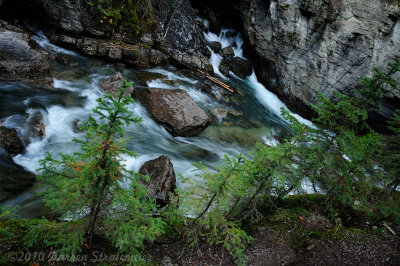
(237, 134)
(112, 83)
(63, 59)
(219, 113)
(76, 124)
(18, 58)
(10, 141)
(175, 110)
(162, 178)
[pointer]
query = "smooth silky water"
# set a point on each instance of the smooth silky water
(238, 121)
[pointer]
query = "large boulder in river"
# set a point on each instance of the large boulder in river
(239, 66)
(35, 126)
(112, 83)
(18, 58)
(227, 51)
(10, 141)
(162, 178)
(175, 110)
(215, 46)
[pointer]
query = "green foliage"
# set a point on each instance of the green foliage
(132, 16)
(214, 207)
(85, 188)
(356, 167)
(6, 214)
(381, 84)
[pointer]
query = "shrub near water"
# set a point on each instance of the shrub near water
(357, 168)
(85, 188)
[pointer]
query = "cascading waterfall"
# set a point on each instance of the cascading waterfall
(239, 121)
(266, 98)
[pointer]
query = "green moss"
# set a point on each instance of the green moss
(304, 201)
(288, 223)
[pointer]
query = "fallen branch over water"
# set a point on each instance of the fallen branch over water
(220, 83)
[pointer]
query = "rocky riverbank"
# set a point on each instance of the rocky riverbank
(296, 232)
(171, 31)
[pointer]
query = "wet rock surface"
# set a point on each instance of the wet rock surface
(162, 178)
(36, 126)
(13, 178)
(17, 58)
(112, 83)
(239, 66)
(227, 52)
(321, 46)
(215, 46)
(74, 24)
(10, 141)
(175, 110)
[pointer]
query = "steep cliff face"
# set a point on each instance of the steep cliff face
(305, 46)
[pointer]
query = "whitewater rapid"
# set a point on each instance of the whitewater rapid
(252, 117)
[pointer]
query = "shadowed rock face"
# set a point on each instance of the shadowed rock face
(18, 58)
(13, 178)
(162, 178)
(239, 66)
(75, 25)
(175, 110)
(112, 83)
(300, 47)
(10, 141)
(305, 46)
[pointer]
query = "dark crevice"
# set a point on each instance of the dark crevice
(24, 11)
(221, 13)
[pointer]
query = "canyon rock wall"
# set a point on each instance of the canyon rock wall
(305, 46)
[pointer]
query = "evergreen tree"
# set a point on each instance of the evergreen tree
(86, 188)
(356, 168)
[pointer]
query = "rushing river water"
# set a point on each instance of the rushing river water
(239, 121)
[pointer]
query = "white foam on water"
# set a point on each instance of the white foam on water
(157, 141)
(59, 124)
(215, 61)
(158, 83)
(171, 75)
(265, 97)
(235, 42)
(270, 100)
(65, 85)
(45, 43)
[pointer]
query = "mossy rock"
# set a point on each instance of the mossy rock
(303, 201)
